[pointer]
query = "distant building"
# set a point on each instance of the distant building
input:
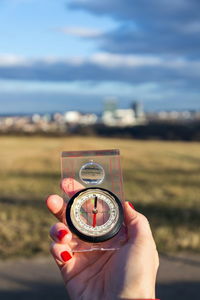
(88, 119)
(138, 109)
(123, 117)
(174, 116)
(120, 117)
(72, 117)
(110, 105)
(75, 117)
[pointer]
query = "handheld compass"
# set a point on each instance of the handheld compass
(94, 214)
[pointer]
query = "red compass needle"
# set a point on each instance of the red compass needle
(94, 223)
(94, 220)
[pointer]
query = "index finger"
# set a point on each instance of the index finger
(56, 204)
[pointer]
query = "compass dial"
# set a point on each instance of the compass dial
(94, 214)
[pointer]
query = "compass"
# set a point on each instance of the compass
(94, 214)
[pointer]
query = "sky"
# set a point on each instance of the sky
(58, 55)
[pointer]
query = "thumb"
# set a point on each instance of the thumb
(137, 224)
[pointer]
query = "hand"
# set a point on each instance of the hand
(128, 273)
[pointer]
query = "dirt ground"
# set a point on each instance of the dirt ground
(39, 279)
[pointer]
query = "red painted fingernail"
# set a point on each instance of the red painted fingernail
(61, 233)
(131, 205)
(65, 256)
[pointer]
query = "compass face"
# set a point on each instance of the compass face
(94, 215)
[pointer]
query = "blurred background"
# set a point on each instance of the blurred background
(89, 74)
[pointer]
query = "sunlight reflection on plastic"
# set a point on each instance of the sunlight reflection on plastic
(92, 173)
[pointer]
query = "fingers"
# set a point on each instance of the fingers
(130, 213)
(57, 206)
(60, 233)
(62, 254)
(137, 224)
(60, 248)
(71, 186)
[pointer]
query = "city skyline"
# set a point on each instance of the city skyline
(60, 55)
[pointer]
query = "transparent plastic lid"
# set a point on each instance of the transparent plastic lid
(93, 188)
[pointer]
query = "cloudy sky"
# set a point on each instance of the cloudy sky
(57, 54)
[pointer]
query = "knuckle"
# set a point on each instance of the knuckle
(52, 247)
(52, 230)
(144, 219)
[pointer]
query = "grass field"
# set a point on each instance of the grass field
(162, 179)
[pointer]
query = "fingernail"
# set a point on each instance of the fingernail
(131, 205)
(65, 256)
(61, 233)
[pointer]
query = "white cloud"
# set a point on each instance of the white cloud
(83, 32)
(104, 59)
(101, 58)
(99, 67)
(8, 60)
(12, 60)
(120, 60)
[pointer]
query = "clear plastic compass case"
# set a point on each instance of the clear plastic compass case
(94, 169)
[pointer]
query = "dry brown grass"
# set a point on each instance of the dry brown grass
(161, 178)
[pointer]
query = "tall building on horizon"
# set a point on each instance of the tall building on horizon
(110, 105)
(138, 108)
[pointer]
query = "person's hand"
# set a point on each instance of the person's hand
(128, 273)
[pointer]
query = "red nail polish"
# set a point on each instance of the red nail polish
(65, 256)
(131, 205)
(61, 233)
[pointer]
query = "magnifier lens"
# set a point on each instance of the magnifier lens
(92, 173)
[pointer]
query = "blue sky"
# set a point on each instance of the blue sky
(59, 55)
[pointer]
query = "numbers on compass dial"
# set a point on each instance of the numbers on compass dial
(94, 212)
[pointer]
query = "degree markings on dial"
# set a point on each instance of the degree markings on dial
(79, 213)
